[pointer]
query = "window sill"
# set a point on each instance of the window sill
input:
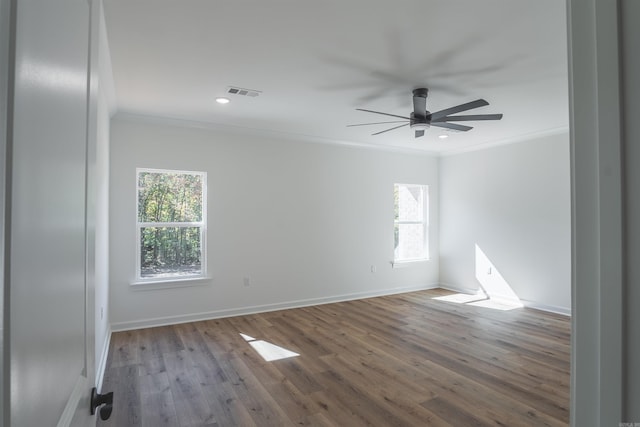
(408, 263)
(169, 283)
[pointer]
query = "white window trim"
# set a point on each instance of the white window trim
(405, 262)
(408, 262)
(169, 283)
(141, 283)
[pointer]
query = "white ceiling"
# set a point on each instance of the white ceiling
(316, 61)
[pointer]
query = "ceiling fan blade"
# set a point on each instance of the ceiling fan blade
(384, 114)
(468, 118)
(459, 108)
(378, 133)
(376, 123)
(453, 126)
(420, 102)
(419, 133)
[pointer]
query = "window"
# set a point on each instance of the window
(171, 224)
(411, 222)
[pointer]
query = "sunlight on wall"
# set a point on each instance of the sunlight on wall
(492, 283)
(269, 352)
(494, 293)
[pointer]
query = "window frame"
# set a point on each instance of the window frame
(424, 222)
(180, 280)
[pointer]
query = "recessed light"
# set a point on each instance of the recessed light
(443, 136)
(222, 100)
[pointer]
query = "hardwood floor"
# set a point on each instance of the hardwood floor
(401, 360)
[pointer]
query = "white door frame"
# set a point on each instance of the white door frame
(598, 344)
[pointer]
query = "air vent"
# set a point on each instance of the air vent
(243, 92)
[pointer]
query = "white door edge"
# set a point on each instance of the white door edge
(79, 389)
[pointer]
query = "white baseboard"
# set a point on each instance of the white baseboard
(241, 311)
(530, 304)
(550, 308)
(102, 363)
(460, 289)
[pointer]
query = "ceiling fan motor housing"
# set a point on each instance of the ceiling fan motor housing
(421, 91)
(420, 118)
(420, 123)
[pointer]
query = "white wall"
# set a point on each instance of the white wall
(513, 201)
(304, 221)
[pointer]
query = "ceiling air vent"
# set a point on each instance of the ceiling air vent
(243, 92)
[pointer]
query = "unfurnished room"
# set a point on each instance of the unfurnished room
(250, 213)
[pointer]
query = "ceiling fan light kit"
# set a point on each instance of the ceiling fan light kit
(421, 119)
(419, 126)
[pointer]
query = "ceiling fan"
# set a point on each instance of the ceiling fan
(421, 119)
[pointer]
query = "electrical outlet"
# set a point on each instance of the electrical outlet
(247, 281)
(373, 268)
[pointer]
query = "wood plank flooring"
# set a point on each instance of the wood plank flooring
(401, 360)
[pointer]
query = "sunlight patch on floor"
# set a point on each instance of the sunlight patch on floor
(268, 351)
(247, 337)
(497, 304)
(461, 298)
(479, 300)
